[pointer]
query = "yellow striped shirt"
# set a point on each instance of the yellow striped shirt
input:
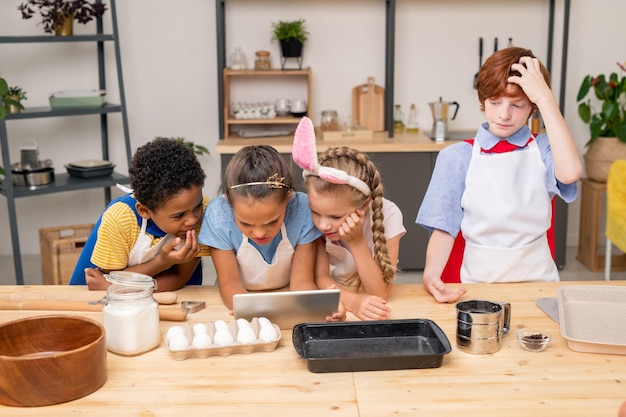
(118, 233)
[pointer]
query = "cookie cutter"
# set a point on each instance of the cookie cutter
(193, 306)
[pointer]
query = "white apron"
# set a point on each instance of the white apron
(342, 264)
(507, 212)
(142, 251)
(256, 274)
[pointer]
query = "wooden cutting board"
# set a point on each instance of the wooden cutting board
(368, 105)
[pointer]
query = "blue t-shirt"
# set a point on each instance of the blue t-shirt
(441, 208)
(220, 231)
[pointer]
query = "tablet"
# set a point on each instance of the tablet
(287, 308)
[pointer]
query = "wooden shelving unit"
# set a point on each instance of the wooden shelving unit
(230, 76)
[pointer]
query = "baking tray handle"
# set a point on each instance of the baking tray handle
(296, 337)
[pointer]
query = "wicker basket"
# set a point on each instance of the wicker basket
(60, 249)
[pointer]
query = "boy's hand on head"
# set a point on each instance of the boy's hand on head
(352, 228)
(531, 79)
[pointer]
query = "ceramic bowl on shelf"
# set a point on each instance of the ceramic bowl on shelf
(533, 340)
(46, 360)
(283, 107)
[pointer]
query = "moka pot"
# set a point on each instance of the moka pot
(440, 111)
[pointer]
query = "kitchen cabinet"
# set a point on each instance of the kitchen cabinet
(230, 77)
(63, 182)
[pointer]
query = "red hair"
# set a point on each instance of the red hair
(492, 81)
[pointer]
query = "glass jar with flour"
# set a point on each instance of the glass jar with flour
(130, 314)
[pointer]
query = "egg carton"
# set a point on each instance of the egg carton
(241, 111)
(189, 331)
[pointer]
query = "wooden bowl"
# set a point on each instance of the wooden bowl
(52, 359)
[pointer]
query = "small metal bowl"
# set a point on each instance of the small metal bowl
(41, 175)
(533, 340)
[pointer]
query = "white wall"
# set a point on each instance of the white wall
(169, 61)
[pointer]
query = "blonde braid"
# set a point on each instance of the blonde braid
(358, 164)
(381, 253)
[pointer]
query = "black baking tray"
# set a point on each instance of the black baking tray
(371, 345)
(78, 172)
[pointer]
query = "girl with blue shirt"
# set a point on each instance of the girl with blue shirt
(497, 188)
(259, 230)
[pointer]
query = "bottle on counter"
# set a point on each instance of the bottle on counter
(535, 123)
(411, 124)
(398, 119)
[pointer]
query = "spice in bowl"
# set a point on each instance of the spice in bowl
(533, 340)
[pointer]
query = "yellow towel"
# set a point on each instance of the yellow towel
(616, 204)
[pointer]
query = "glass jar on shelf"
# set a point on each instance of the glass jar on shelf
(238, 59)
(262, 61)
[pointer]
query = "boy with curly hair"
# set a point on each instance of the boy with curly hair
(153, 229)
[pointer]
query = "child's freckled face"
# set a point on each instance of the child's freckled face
(180, 213)
(329, 211)
(259, 220)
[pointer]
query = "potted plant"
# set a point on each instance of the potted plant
(57, 16)
(10, 98)
(607, 125)
(16, 94)
(291, 35)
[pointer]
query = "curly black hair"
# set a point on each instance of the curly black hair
(163, 168)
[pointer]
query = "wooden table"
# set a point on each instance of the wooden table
(511, 382)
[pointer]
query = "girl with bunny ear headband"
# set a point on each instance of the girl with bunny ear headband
(362, 230)
(304, 155)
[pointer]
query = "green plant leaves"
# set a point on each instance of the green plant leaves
(4, 87)
(610, 120)
(584, 88)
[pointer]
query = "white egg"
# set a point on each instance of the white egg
(223, 337)
(220, 324)
(246, 335)
(268, 333)
(201, 341)
(173, 331)
(199, 328)
(264, 321)
(178, 342)
(243, 323)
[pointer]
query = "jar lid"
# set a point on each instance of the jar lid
(262, 53)
(131, 279)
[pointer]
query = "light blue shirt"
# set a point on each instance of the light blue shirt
(441, 208)
(220, 231)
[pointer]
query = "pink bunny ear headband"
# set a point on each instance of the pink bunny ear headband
(303, 153)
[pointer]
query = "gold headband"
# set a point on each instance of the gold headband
(272, 182)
